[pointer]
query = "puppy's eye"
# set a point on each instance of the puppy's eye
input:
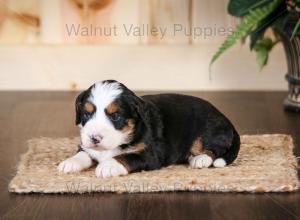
(87, 113)
(115, 116)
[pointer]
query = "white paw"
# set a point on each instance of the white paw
(200, 161)
(220, 162)
(109, 168)
(77, 163)
(70, 165)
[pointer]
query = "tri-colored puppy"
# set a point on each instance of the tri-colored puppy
(125, 133)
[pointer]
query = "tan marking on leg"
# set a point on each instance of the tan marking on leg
(209, 153)
(138, 148)
(112, 107)
(122, 161)
(197, 147)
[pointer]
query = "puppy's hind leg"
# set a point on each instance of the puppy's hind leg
(222, 148)
(200, 158)
(231, 153)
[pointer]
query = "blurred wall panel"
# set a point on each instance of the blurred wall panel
(166, 21)
(100, 21)
(74, 14)
(19, 21)
(210, 21)
(125, 16)
(114, 21)
(51, 20)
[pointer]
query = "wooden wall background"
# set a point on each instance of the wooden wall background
(36, 52)
(44, 21)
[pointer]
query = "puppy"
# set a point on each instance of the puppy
(125, 133)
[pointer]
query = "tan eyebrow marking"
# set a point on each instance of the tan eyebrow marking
(89, 107)
(112, 107)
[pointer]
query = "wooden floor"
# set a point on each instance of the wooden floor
(24, 115)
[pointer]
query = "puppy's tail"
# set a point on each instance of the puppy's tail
(231, 154)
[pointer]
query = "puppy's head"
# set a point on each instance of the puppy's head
(107, 114)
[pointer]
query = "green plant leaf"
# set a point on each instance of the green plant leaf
(262, 49)
(296, 29)
(240, 8)
(266, 43)
(262, 26)
(257, 34)
(262, 56)
(243, 29)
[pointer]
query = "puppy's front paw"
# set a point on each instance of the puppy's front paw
(77, 163)
(70, 165)
(109, 168)
(200, 161)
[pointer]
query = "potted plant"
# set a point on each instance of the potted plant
(283, 16)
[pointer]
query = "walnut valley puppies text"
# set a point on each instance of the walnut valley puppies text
(146, 30)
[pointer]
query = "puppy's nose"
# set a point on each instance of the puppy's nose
(96, 139)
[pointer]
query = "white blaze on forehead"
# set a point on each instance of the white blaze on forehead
(105, 93)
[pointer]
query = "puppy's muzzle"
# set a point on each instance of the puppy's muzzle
(96, 139)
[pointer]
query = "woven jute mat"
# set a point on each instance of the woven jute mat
(265, 164)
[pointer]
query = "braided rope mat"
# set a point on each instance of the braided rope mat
(265, 164)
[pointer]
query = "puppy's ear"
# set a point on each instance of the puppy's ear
(78, 107)
(138, 106)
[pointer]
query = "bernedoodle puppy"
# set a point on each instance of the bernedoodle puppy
(125, 133)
